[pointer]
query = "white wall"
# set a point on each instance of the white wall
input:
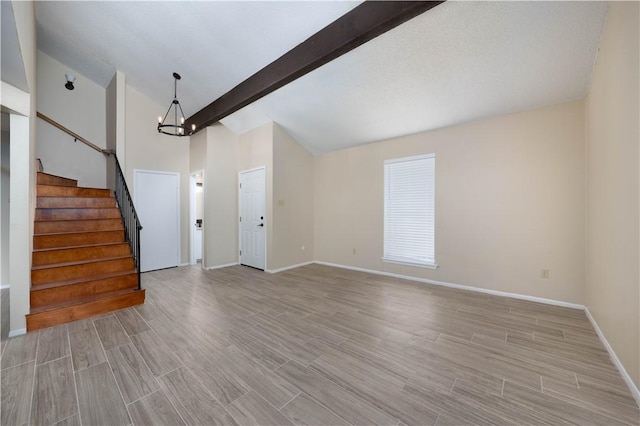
(613, 186)
(4, 207)
(22, 184)
(146, 149)
(83, 111)
(509, 202)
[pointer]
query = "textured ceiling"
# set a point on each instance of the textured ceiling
(459, 62)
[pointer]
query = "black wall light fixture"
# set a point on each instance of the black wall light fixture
(177, 127)
(70, 79)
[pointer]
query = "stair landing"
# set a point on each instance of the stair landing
(82, 265)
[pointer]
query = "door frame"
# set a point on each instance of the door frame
(266, 222)
(135, 201)
(192, 216)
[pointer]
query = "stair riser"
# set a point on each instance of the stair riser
(77, 239)
(62, 273)
(46, 179)
(74, 313)
(55, 295)
(77, 214)
(61, 191)
(52, 227)
(75, 202)
(51, 257)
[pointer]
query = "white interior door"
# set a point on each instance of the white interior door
(158, 205)
(252, 218)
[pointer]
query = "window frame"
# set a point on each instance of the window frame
(401, 260)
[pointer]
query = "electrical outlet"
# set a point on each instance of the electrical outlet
(544, 273)
(354, 250)
(304, 248)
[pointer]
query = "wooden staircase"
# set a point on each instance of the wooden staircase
(82, 265)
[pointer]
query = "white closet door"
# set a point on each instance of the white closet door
(157, 196)
(252, 218)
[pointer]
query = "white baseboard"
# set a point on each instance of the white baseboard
(461, 287)
(614, 358)
(18, 332)
(185, 264)
(286, 268)
(226, 265)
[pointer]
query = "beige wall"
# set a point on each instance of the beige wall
(83, 111)
(220, 197)
(146, 149)
(613, 139)
(509, 202)
(255, 149)
(292, 222)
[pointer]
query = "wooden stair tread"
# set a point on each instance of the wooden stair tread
(76, 191)
(80, 262)
(63, 283)
(49, 179)
(44, 250)
(77, 232)
(81, 301)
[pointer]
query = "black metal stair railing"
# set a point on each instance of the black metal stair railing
(130, 218)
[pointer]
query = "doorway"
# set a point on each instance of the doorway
(157, 200)
(196, 186)
(253, 218)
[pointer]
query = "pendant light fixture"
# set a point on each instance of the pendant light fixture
(175, 128)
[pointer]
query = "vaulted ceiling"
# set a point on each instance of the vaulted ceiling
(458, 62)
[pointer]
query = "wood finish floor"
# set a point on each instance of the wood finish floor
(314, 346)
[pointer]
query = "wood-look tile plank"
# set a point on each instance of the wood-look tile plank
(111, 332)
(552, 409)
(148, 311)
(70, 421)
(267, 384)
(54, 393)
(17, 388)
(153, 410)
(592, 397)
(86, 348)
(251, 409)
(80, 325)
(131, 321)
(155, 352)
(304, 411)
(53, 343)
(219, 380)
(19, 349)
(347, 405)
(194, 402)
(99, 398)
(134, 378)
(261, 352)
(279, 343)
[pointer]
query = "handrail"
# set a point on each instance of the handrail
(70, 132)
(132, 226)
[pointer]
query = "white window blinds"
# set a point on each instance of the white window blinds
(409, 210)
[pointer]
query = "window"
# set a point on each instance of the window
(409, 210)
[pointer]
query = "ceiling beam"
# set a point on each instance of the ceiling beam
(363, 23)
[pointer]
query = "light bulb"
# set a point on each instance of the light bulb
(182, 120)
(193, 127)
(159, 119)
